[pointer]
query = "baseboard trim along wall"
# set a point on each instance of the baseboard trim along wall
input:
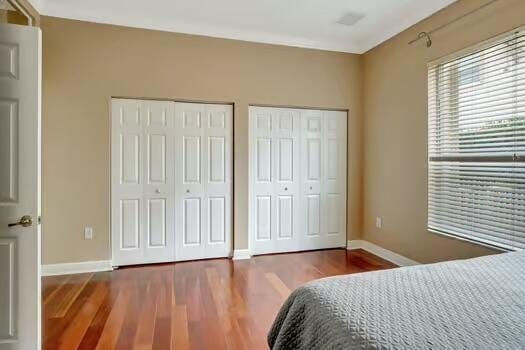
(241, 254)
(78, 267)
(238, 254)
(381, 252)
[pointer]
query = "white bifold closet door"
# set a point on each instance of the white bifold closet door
(275, 179)
(203, 180)
(297, 179)
(323, 179)
(142, 149)
(171, 181)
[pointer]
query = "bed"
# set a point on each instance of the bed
(470, 304)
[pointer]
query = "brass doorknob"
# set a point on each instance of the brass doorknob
(25, 221)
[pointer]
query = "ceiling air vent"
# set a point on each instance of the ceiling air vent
(350, 18)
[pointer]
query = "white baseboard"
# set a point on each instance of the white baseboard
(78, 267)
(381, 252)
(241, 254)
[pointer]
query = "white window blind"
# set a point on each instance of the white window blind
(476, 143)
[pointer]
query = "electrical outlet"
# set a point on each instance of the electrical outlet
(88, 232)
(379, 222)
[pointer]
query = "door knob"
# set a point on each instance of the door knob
(157, 191)
(187, 191)
(286, 188)
(310, 187)
(25, 221)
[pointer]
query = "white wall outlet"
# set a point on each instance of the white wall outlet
(379, 222)
(88, 232)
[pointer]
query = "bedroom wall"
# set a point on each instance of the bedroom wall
(84, 64)
(395, 125)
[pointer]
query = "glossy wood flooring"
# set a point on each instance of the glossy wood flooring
(211, 304)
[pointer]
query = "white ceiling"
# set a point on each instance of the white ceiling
(302, 23)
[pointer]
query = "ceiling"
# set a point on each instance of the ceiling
(302, 23)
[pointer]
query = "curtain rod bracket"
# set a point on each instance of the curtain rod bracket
(427, 34)
(421, 36)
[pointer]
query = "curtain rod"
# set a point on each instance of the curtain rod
(428, 34)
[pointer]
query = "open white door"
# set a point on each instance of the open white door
(19, 187)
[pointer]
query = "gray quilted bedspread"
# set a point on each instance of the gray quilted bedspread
(471, 304)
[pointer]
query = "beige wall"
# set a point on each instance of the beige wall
(395, 124)
(85, 64)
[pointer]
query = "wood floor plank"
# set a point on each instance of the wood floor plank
(279, 286)
(67, 294)
(211, 304)
(146, 322)
(110, 333)
(179, 328)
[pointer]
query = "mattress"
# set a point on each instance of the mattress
(469, 304)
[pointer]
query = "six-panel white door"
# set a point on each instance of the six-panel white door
(203, 180)
(275, 181)
(323, 149)
(142, 182)
(20, 139)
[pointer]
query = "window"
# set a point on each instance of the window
(476, 143)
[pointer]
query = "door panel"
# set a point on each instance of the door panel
(332, 159)
(20, 140)
(264, 160)
(264, 217)
(157, 222)
(274, 185)
(8, 288)
(192, 221)
(142, 153)
(8, 151)
(158, 239)
(313, 158)
(285, 160)
(130, 150)
(217, 220)
(204, 180)
(313, 215)
(285, 217)
(335, 180)
(217, 159)
(333, 203)
(130, 224)
(192, 159)
(157, 146)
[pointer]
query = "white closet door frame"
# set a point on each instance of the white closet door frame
(203, 191)
(142, 227)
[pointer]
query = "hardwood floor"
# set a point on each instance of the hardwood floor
(211, 304)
